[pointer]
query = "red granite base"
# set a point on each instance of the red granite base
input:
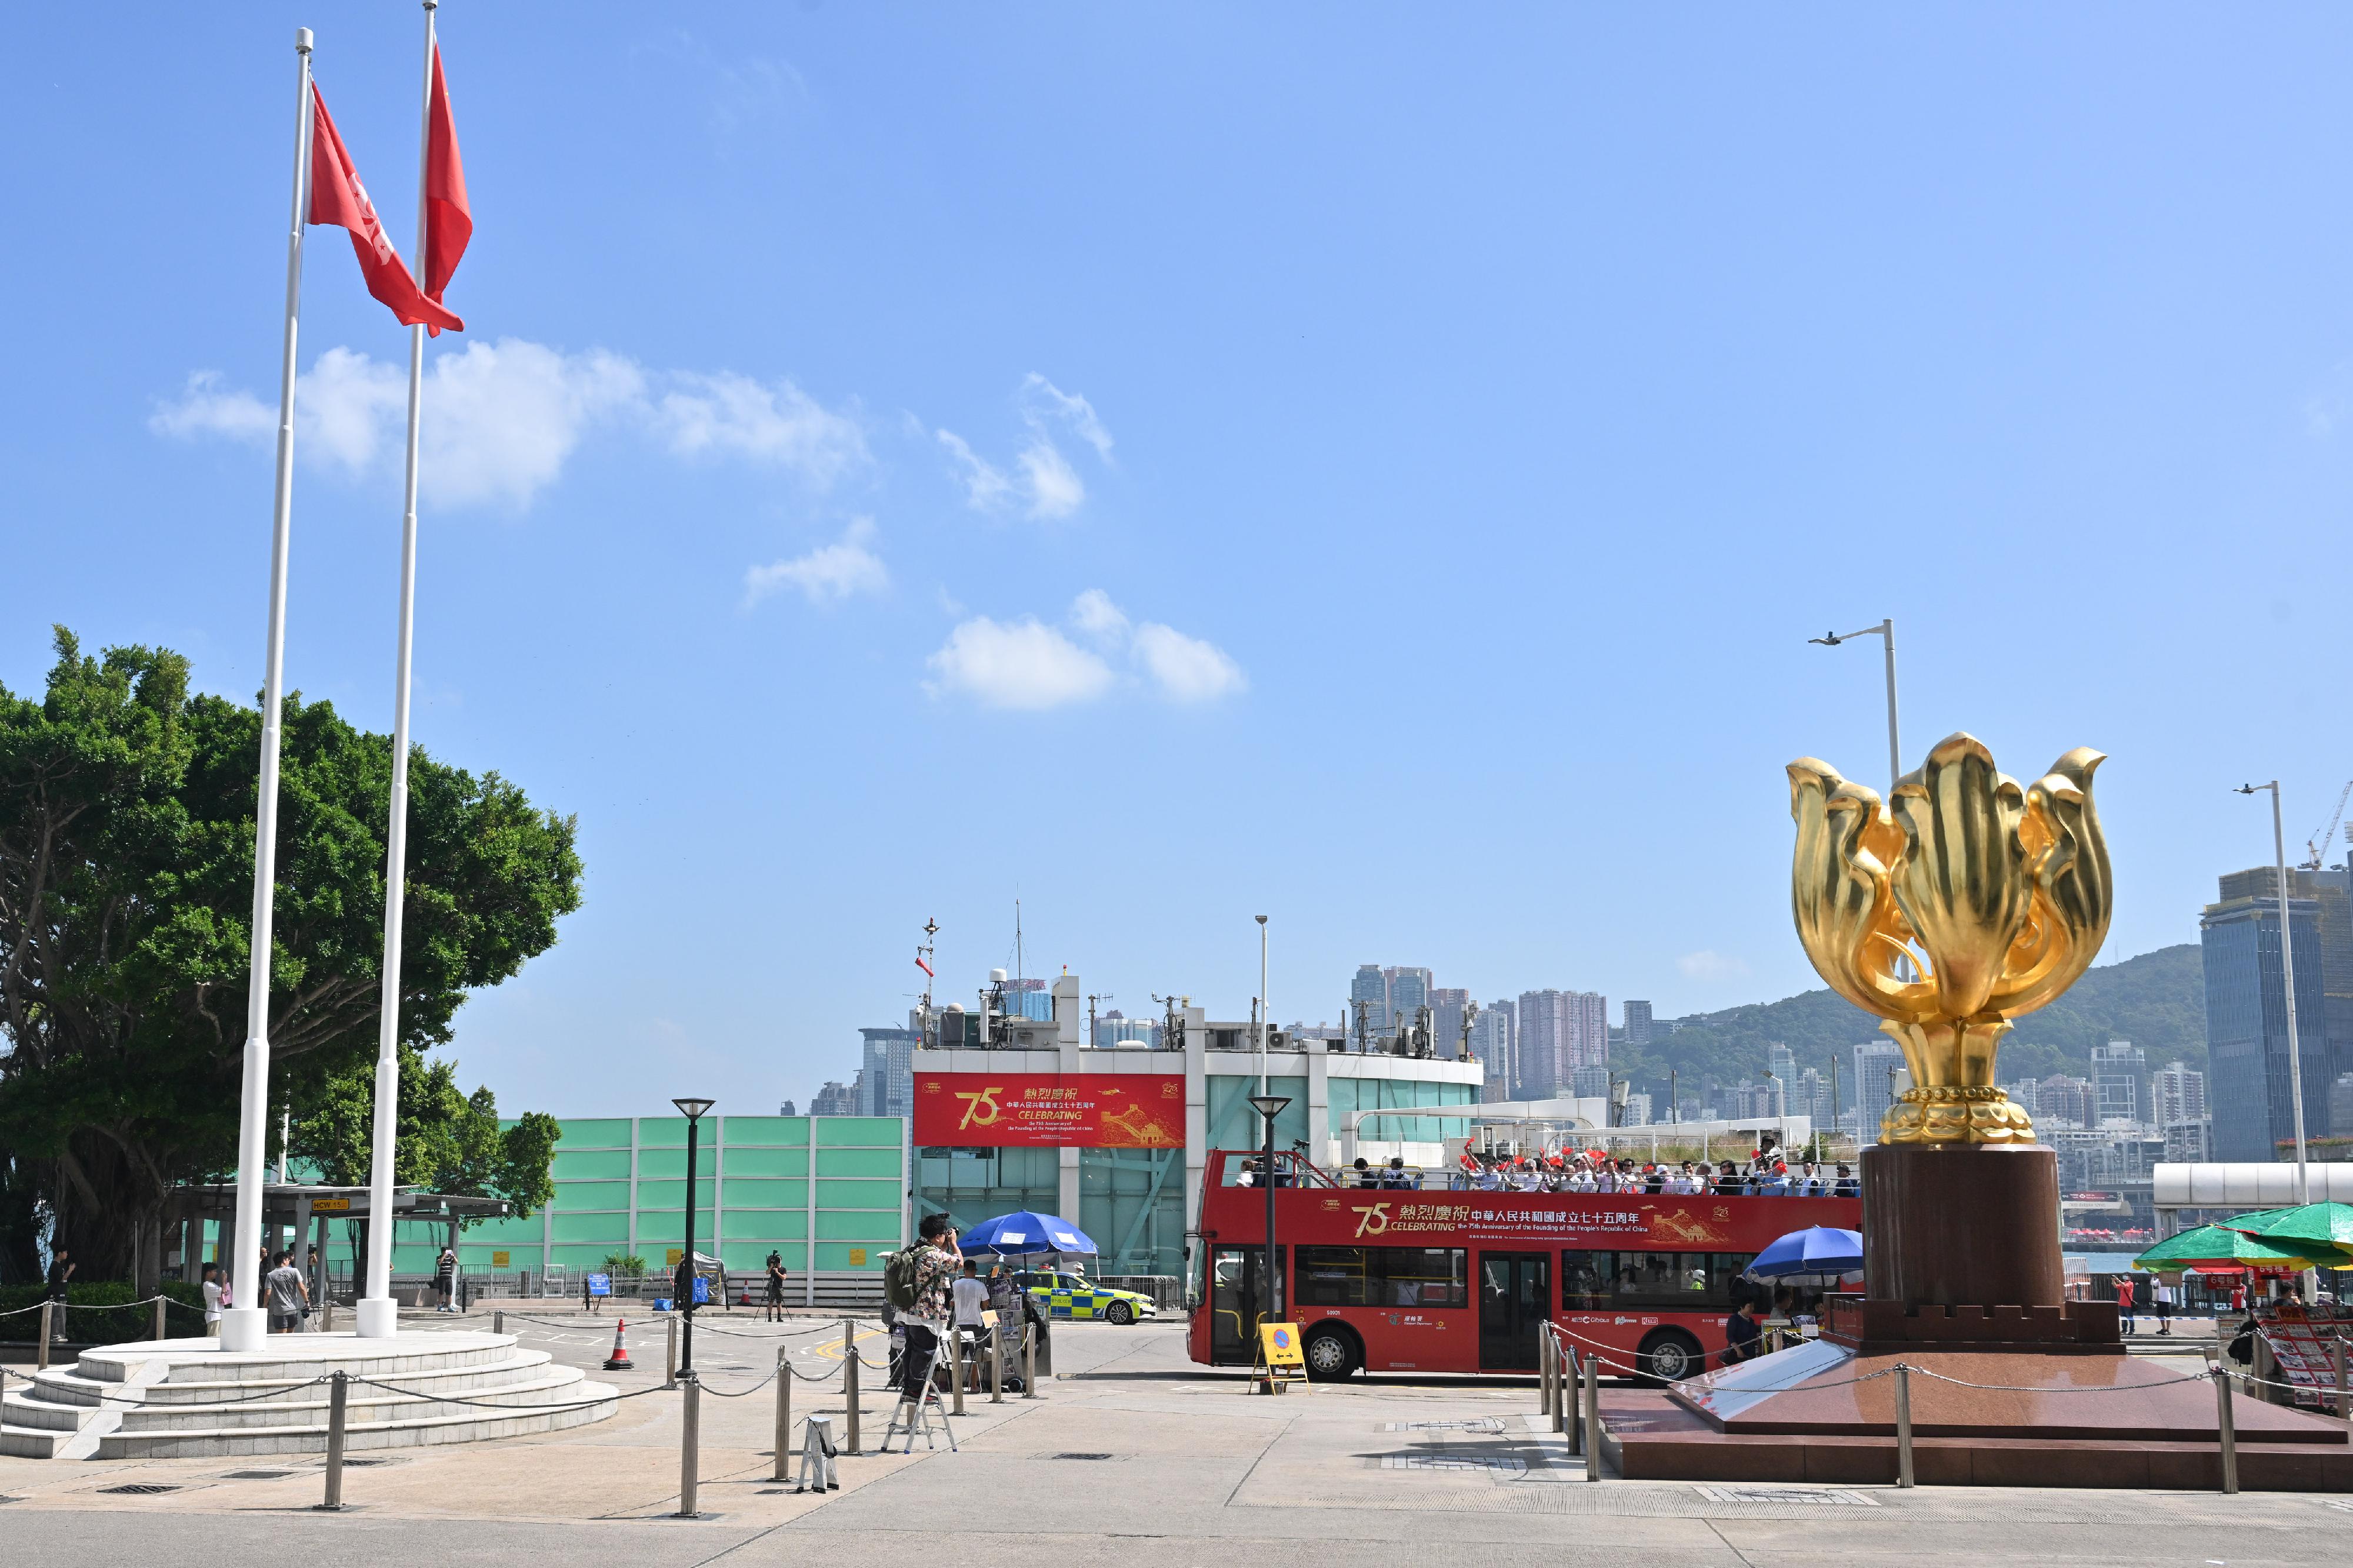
(2059, 1420)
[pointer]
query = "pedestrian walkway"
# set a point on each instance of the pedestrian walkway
(1131, 1450)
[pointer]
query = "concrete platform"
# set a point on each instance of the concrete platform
(188, 1397)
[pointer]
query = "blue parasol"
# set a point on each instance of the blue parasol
(1024, 1234)
(1818, 1254)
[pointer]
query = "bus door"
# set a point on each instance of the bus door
(1237, 1301)
(1515, 1301)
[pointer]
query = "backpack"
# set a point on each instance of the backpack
(899, 1278)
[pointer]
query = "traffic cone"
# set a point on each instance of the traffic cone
(619, 1360)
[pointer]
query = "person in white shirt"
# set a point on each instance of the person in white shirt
(211, 1297)
(969, 1296)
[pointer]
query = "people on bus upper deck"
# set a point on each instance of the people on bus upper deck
(1844, 1186)
(1772, 1182)
(1727, 1179)
(1364, 1170)
(1248, 1175)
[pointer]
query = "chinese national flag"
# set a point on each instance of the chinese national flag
(338, 198)
(449, 224)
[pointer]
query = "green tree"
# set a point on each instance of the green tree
(445, 1139)
(127, 811)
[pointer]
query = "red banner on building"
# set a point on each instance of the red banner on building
(1085, 1110)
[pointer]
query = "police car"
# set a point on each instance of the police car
(1074, 1297)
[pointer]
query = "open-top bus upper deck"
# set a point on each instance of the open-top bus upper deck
(1462, 1280)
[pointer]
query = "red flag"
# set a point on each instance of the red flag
(339, 200)
(449, 222)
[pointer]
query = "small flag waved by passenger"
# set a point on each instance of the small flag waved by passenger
(339, 200)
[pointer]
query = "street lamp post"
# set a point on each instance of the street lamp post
(1886, 631)
(1265, 1007)
(2287, 980)
(694, 1111)
(1268, 1107)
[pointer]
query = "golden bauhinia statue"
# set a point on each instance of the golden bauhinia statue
(1970, 902)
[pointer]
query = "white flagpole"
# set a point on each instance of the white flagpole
(243, 1326)
(379, 1315)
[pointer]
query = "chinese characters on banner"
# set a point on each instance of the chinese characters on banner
(1085, 1110)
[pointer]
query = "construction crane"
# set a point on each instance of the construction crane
(2317, 845)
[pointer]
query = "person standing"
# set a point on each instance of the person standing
(212, 1287)
(1744, 1337)
(969, 1298)
(776, 1288)
(929, 1271)
(2125, 1301)
(2161, 1294)
(61, 1269)
(287, 1297)
(445, 1280)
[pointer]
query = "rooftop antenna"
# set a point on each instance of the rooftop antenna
(925, 951)
(1018, 971)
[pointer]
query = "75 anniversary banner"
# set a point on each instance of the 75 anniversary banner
(1086, 1111)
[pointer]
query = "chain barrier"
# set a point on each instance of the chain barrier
(511, 1409)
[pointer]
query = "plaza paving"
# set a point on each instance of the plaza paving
(1133, 1451)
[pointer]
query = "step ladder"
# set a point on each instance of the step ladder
(919, 1411)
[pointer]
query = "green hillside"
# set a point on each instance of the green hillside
(2157, 1001)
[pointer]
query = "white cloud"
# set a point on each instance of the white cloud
(1019, 664)
(1077, 411)
(1093, 613)
(1044, 484)
(829, 572)
(1054, 487)
(736, 415)
(205, 408)
(985, 484)
(503, 419)
(1708, 965)
(986, 660)
(1187, 669)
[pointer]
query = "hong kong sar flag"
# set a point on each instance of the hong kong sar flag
(338, 198)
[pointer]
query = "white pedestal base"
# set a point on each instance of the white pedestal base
(243, 1327)
(379, 1318)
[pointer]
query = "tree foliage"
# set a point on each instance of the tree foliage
(445, 1139)
(127, 813)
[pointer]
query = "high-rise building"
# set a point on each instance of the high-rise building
(1115, 1028)
(786, 1109)
(1879, 1078)
(1812, 1097)
(1638, 1024)
(2340, 1101)
(2331, 948)
(2118, 1071)
(1409, 991)
(2064, 1102)
(1782, 1063)
(1447, 1007)
(2246, 1016)
(1590, 1016)
(1492, 1043)
(2024, 1094)
(1637, 1111)
(835, 1099)
(886, 1076)
(1591, 1082)
(2179, 1092)
(1369, 999)
(1559, 1032)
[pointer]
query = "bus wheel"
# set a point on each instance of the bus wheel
(1669, 1356)
(1330, 1354)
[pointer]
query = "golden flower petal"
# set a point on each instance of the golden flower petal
(1962, 882)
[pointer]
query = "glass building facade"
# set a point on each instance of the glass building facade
(2247, 1080)
(825, 1192)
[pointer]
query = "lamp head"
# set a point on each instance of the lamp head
(1262, 919)
(1270, 1105)
(1832, 640)
(693, 1108)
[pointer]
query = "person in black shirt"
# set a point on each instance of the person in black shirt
(61, 1268)
(1744, 1341)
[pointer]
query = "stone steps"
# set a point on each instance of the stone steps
(188, 1398)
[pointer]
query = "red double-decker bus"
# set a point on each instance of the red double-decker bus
(1396, 1280)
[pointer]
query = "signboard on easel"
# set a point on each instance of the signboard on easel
(1280, 1362)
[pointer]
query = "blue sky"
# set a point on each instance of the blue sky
(1370, 464)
